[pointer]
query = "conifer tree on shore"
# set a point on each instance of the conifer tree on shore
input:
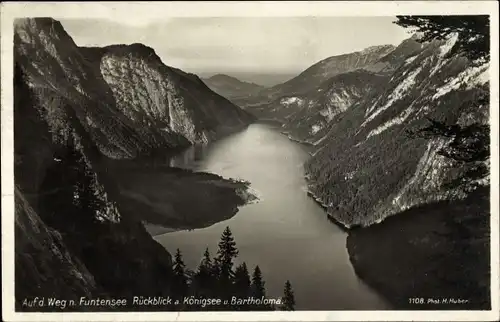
(216, 279)
(242, 283)
(204, 277)
(288, 298)
(180, 285)
(226, 253)
(258, 287)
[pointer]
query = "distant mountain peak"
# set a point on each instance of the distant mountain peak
(222, 76)
(328, 67)
(376, 48)
(231, 87)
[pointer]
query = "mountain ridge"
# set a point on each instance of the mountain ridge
(231, 87)
(326, 68)
(366, 123)
(92, 73)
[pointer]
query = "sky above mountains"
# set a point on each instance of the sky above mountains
(242, 45)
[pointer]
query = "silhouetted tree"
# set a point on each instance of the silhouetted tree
(204, 277)
(242, 279)
(472, 30)
(242, 283)
(288, 298)
(226, 253)
(179, 285)
(468, 146)
(257, 287)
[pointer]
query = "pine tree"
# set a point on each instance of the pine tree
(242, 279)
(473, 32)
(179, 286)
(226, 253)
(242, 282)
(257, 288)
(204, 277)
(288, 298)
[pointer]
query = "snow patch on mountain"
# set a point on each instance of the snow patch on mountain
(410, 60)
(341, 100)
(374, 105)
(315, 128)
(444, 49)
(471, 77)
(400, 119)
(448, 45)
(291, 100)
(427, 180)
(397, 94)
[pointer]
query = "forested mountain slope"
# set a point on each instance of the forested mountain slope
(393, 169)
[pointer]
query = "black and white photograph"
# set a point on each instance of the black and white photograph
(278, 163)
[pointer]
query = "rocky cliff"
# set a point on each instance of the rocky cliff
(124, 95)
(394, 170)
(76, 111)
(309, 120)
(266, 102)
(306, 114)
(327, 68)
(231, 87)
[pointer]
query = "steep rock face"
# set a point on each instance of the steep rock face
(327, 68)
(231, 87)
(311, 121)
(75, 110)
(393, 170)
(313, 104)
(156, 96)
(44, 266)
(65, 247)
(390, 62)
(300, 112)
(59, 76)
(128, 100)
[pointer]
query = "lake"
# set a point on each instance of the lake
(286, 233)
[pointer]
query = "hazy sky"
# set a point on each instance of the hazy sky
(247, 44)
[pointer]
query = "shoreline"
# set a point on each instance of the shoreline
(176, 198)
(341, 225)
(247, 194)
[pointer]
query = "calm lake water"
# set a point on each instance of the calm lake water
(286, 233)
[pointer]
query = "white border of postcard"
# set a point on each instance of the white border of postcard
(159, 10)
